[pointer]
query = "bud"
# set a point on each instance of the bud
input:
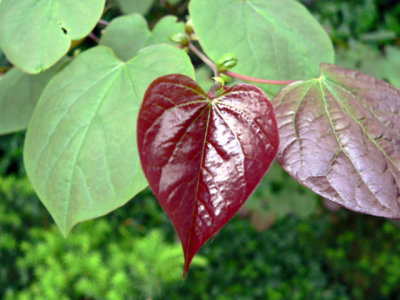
(189, 27)
(179, 38)
(226, 78)
(226, 62)
(219, 81)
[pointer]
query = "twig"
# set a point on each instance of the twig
(103, 22)
(259, 80)
(94, 38)
(213, 67)
(204, 58)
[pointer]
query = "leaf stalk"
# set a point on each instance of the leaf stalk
(213, 67)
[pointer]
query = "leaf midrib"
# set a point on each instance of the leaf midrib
(355, 119)
(89, 124)
(341, 147)
(194, 212)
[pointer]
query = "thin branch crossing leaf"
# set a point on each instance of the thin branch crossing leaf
(35, 34)
(203, 156)
(80, 150)
(340, 137)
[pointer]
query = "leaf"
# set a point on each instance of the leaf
(19, 93)
(80, 150)
(378, 36)
(35, 34)
(204, 77)
(127, 35)
(340, 138)
(275, 39)
(204, 156)
(393, 65)
(135, 6)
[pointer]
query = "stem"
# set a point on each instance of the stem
(213, 67)
(93, 37)
(259, 80)
(103, 22)
(204, 58)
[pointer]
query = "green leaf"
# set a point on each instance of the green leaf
(127, 35)
(135, 6)
(80, 151)
(19, 93)
(35, 34)
(275, 39)
(378, 36)
(204, 77)
(392, 70)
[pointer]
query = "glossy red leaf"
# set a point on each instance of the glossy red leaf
(204, 156)
(340, 137)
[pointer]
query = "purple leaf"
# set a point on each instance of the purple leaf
(340, 137)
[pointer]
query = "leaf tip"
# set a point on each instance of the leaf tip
(188, 260)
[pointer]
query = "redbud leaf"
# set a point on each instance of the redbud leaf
(340, 137)
(203, 156)
(34, 34)
(80, 153)
(125, 29)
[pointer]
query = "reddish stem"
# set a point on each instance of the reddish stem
(94, 38)
(259, 80)
(103, 22)
(204, 58)
(209, 63)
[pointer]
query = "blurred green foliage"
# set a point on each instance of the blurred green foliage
(367, 20)
(131, 254)
(116, 257)
(366, 34)
(11, 154)
(277, 196)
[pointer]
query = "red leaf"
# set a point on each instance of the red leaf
(204, 156)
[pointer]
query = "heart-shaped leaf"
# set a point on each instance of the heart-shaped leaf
(34, 34)
(135, 6)
(127, 35)
(80, 149)
(203, 156)
(340, 137)
(274, 39)
(19, 93)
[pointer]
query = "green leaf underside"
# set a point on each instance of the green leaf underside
(340, 137)
(19, 93)
(44, 29)
(275, 39)
(135, 6)
(80, 151)
(127, 35)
